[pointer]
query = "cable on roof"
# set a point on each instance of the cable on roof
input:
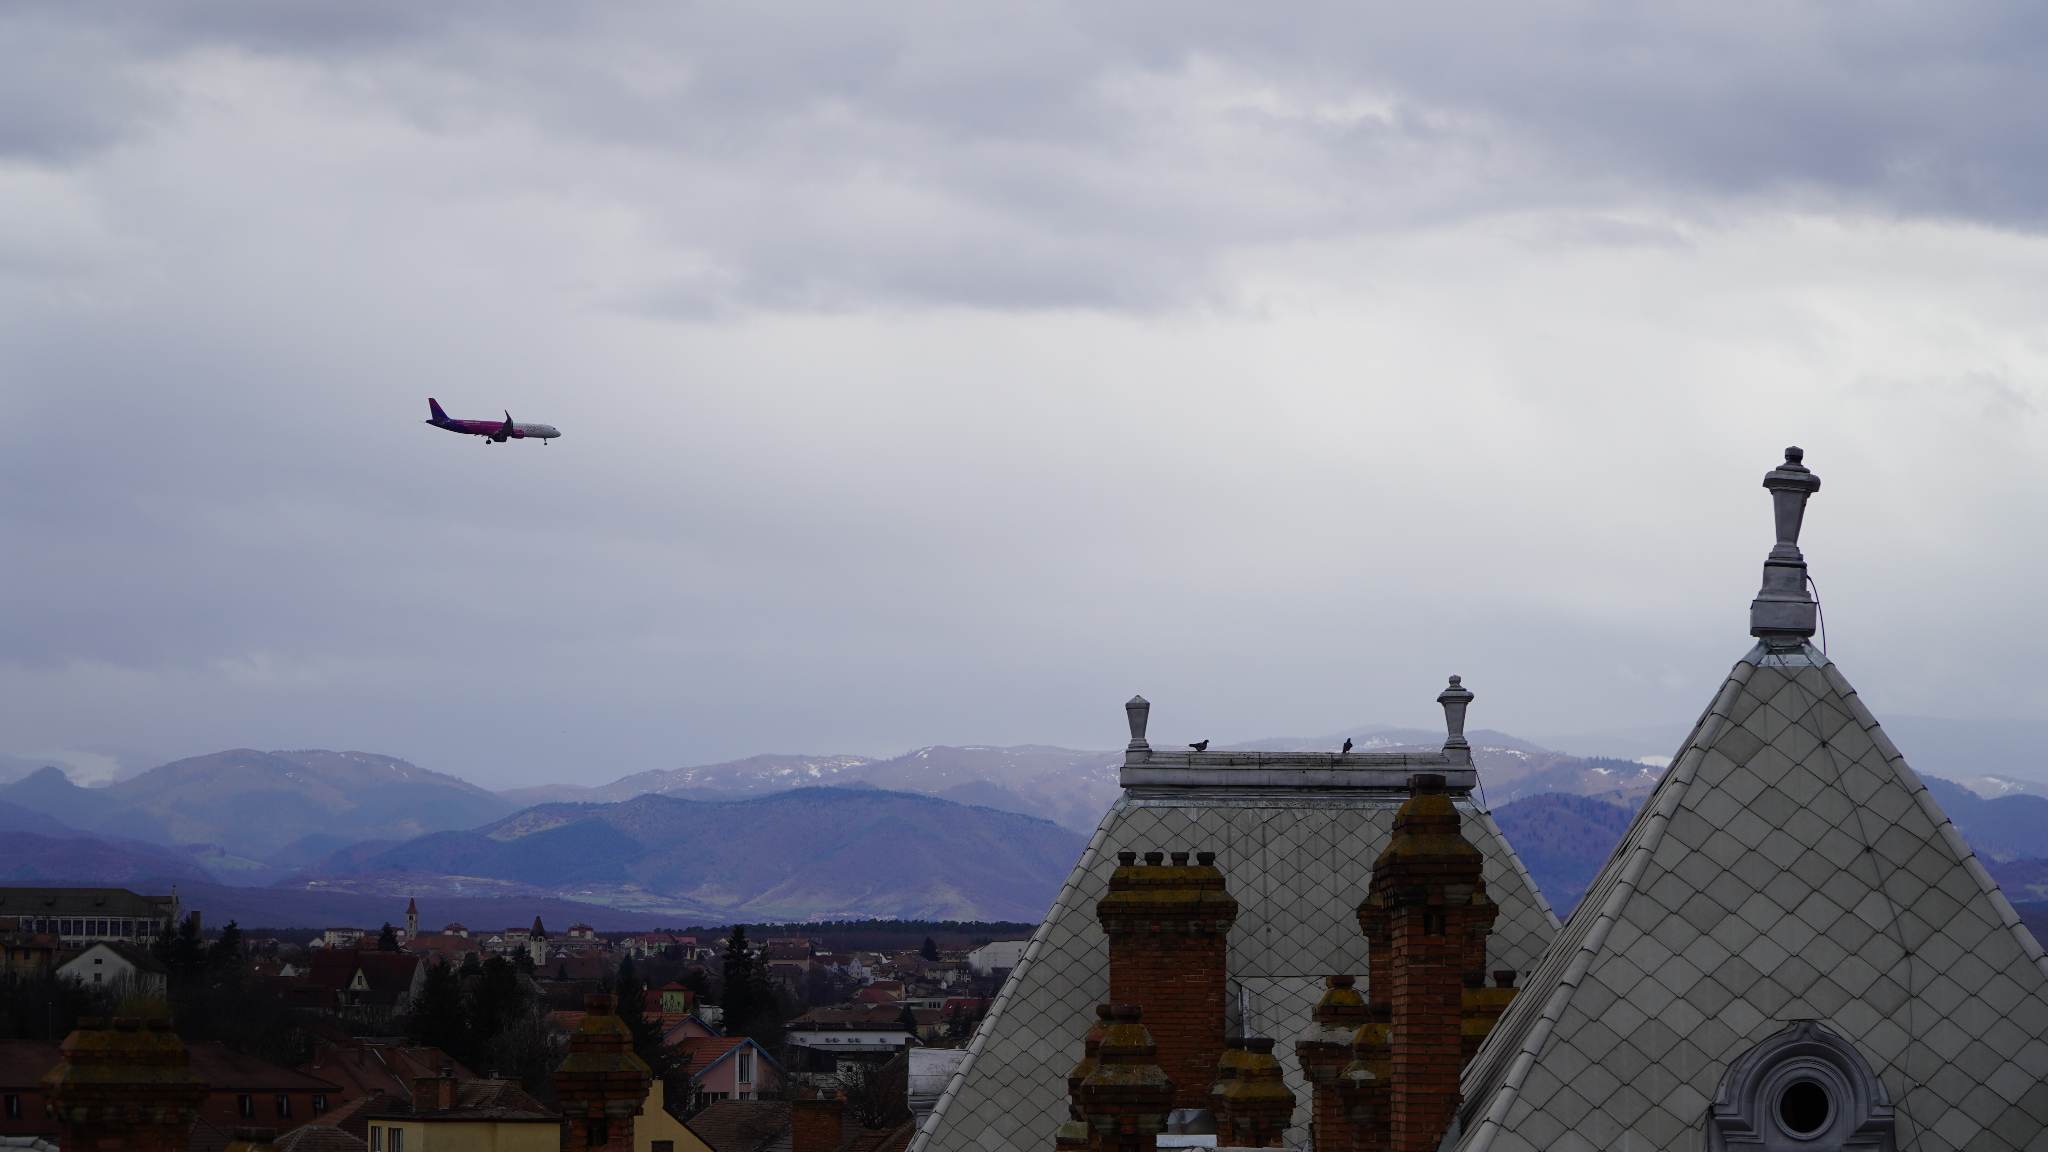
(1821, 615)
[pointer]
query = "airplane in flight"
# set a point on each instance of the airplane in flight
(493, 431)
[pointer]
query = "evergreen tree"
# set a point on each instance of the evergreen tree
(631, 993)
(908, 1019)
(930, 951)
(436, 1016)
(387, 940)
(226, 951)
(739, 983)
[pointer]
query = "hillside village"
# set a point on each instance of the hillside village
(369, 1037)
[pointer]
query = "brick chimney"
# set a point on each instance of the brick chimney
(1429, 887)
(1126, 1098)
(1365, 1090)
(1250, 1099)
(817, 1123)
(601, 1084)
(1483, 1008)
(1073, 1134)
(1169, 934)
(1323, 1051)
(434, 1093)
(124, 1087)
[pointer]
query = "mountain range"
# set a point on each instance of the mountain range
(257, 804)
(965, 832)
(810, 853)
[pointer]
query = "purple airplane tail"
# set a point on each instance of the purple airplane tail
(434, 406)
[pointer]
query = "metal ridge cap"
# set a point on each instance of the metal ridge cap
(1150, 780)
(1232, 758)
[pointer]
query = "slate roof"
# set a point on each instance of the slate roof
(1790, 866)
(1296, 836)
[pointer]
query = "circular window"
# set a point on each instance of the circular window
(1804, 1108)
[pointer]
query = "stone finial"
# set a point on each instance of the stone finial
(1455, 700)
(1783, 613)
(1138, 711)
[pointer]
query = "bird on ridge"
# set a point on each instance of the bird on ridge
(1200, 745)
(1347, 743)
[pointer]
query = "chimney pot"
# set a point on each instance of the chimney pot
(1260, 1044)
(1504, 978)
(1426, 783)
(1155, 858)
(1180, 859)
(1205, 859)
(1127, 858)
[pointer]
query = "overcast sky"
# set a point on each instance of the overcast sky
(947, 373)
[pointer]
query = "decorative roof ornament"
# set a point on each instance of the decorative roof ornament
(1783, 613)
(1138, 711)
(1455, 699)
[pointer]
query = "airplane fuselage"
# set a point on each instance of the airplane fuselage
(496, 430)
(493, 431)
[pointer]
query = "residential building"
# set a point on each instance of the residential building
(23, 1064)
(675, 1000)
(824, 1040)
(81, 916)
(367, 986)
(743, 1126)
(729, 1068)
(929, 1071)
(656, 1129)
(996, 956)
(27, 953)
(126, 968)
(367, 1068)
(319, 1138)
(688, 1027)
(245, 1091)
(444, 1114)
(346, 939)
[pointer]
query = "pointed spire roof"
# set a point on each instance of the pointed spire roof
(1791, 885)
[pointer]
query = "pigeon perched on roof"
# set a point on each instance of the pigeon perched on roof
(1347, 744)
(1200, 745)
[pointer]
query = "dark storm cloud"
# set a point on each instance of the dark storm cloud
(835, 157)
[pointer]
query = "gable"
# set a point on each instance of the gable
(1790, 867)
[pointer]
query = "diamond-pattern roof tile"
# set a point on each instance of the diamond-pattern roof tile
(1298, 864)
(1789, 866)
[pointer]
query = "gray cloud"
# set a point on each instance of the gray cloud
(948, 374)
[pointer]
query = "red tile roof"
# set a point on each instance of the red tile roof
(23, 1062)
(702, 1052)
(225, 1070)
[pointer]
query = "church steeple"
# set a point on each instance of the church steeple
(412, 918)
